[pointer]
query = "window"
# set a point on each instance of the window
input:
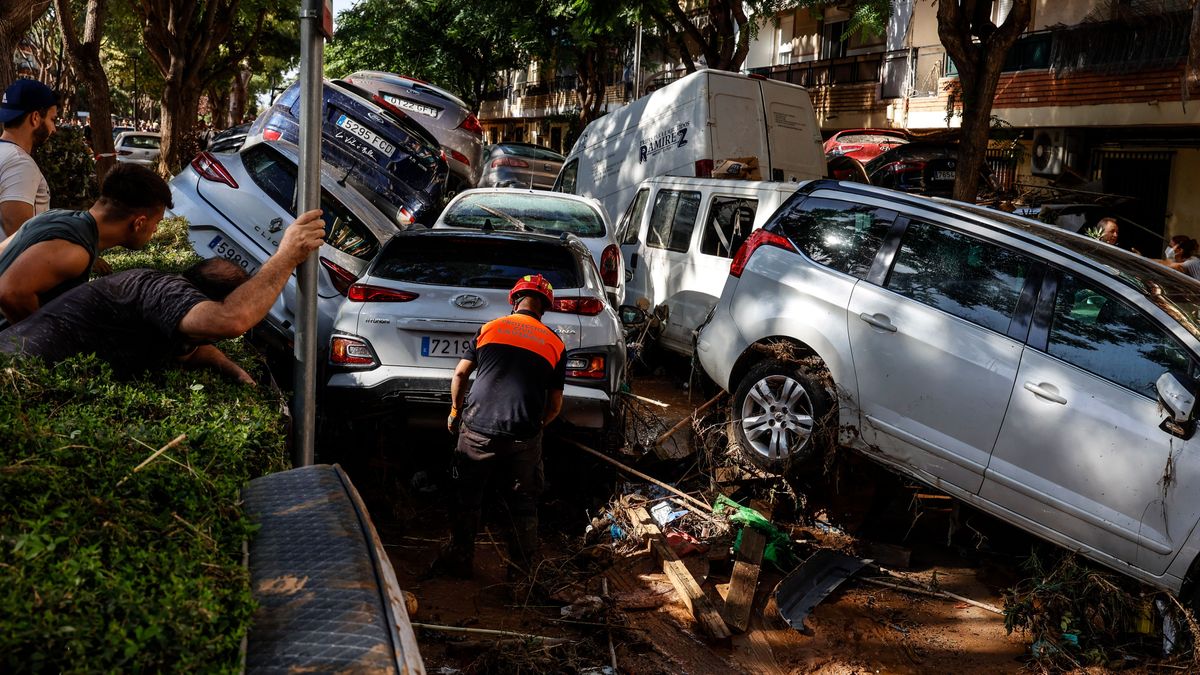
(673, 220)
(142, 142)
(566, 180)
(959, 274)
(1106, 337)
(631, 222)
(729, 223)
(476, 262)
(290, 97)
(833, 39)
(837, 234)
(276, 176)
(518, 210)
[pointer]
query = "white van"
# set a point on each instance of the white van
(687, 126)
(678, 237)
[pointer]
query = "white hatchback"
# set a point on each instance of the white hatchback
(406, 323)
(1042, 376)
(511, 209)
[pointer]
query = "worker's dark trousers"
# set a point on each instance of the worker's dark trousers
(515, 468)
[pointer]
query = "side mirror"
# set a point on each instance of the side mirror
(1177, 396)
(632, 315)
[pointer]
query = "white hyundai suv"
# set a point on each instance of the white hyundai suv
(409, 319)
(1042, 376)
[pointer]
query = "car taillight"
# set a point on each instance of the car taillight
(368, 293)
(584, 306)
(610, 265)
(460, 157)
(389, 106)
(406, 216)
(210, 169)
(509, 161)
(348, 351)
(757, 238)
(471, 124)
(704, 168)
(590, 366)
(272, 134)
(341, 277)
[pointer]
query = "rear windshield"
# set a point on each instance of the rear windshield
(142, 142)
(474, 262)
(871, 138)
(522, 211)
(275, 175)
(531, 152)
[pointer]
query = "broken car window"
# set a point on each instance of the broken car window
(837, 234)
(729, 223)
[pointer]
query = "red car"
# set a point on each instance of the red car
(864, 144)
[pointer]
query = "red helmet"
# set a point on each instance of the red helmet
(532, 283)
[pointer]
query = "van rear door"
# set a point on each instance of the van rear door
(736, 124)
(792, 132)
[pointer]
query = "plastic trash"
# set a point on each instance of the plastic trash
(778, 550)
(664, 513)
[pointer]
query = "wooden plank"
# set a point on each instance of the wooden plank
(744, 585)
(693, 597)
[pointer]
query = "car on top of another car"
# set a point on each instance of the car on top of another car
(407, 322)
(864, 145)
(237, 206)
(445, 115)
(383, 152)
(1042, 376)
(554, 213)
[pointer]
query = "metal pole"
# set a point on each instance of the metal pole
(312, 57)
(637, 64)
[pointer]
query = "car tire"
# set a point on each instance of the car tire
(781, 416)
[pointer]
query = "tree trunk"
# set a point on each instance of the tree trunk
(16, 17)
(84, 54)
(180, 107)
(240, 98)
(979, 49)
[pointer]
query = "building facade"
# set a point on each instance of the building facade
(1092, 95)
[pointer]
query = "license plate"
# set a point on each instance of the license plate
(365, 134)
(413, 106)
(234, 254)
(943, 175)
(444, 346)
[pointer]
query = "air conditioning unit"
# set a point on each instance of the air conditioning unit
(1054, 151)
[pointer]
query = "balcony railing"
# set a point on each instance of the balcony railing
(864, 68)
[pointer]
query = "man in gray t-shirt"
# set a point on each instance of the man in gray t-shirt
(27, 112)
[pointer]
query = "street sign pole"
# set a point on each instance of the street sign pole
(314, 28)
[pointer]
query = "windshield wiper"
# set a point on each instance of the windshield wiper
(500, 214)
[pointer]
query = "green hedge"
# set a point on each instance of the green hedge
(104, 569)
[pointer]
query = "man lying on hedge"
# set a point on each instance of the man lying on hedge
(142, 319)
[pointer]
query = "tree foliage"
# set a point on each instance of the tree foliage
(456, 44)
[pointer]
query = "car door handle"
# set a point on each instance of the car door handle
(880, 321)
(1046, 391)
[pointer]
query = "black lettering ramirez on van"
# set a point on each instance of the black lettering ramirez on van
(671, 138)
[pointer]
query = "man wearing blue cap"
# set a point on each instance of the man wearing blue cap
(27, 111)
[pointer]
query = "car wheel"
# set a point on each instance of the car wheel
(780, 416)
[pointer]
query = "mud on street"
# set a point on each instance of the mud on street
(600, 584)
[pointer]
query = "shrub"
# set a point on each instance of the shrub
(107, 569)
(66, 161)
(169, 250)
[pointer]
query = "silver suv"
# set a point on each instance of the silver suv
(407, 322)
(1042, 376)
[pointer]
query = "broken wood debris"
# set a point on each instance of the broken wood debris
(541, 639)
(683, 423)
(707, 617)
(935, 594)
(740, 600)
(692, 504)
